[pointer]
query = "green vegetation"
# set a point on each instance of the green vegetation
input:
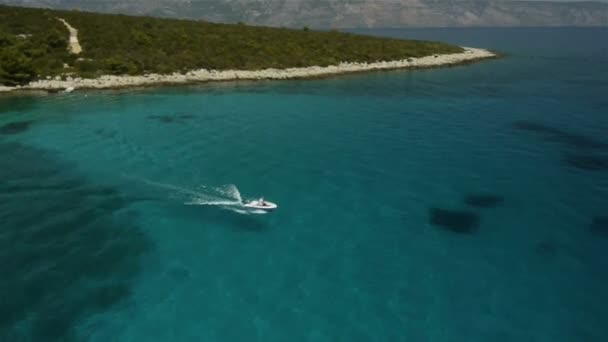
(119, 44)
(32, 42)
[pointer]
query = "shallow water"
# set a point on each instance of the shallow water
(457, 204)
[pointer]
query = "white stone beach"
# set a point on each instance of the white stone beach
(204, 75)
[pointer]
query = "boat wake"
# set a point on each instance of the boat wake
(225, 196)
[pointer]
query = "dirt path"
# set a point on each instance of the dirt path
(74, 46)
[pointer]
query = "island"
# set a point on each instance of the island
(43, 49)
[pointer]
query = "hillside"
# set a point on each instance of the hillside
(33, 44)
(356, 13)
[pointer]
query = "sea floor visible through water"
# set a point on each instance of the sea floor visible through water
(457, 204)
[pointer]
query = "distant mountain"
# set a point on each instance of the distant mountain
(353, 13)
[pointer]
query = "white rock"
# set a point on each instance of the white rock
(112, 81)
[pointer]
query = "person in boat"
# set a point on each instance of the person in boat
(261, 201)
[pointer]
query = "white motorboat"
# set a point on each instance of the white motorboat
(260, 204)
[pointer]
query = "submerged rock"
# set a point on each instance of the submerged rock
(15, 127)
(599, 225)
(454, 220)
(167, 118)
(552, 134)
(586, 162)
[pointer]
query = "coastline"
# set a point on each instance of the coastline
(204, 75)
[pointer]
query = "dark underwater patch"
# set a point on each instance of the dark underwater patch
(483, 200)
(15, 127)
(102, 132)
(577, 141)
(586, 162)
(599, 225)
(68, 249)
(565, 138)
(454, 220)
(532, 126)
(546, 248)
(171, 118)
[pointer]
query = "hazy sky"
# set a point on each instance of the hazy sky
(452, 1)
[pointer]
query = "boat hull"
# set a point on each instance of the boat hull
(256, 205)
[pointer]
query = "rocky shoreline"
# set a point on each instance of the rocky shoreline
(203, 75)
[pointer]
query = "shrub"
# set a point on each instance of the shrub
(6, 40)
(15, 67)
(56, 40)
(118, 66)
(87, 66)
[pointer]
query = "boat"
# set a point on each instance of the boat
(260, 204)
(69, 89)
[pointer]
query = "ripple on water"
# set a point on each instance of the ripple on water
(483, 200)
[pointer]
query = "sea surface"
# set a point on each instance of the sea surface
(467, 203)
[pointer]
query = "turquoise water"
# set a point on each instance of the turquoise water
(457, 204)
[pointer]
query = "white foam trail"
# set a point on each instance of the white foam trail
(231, 191)
(226, 196)
(249, 211)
